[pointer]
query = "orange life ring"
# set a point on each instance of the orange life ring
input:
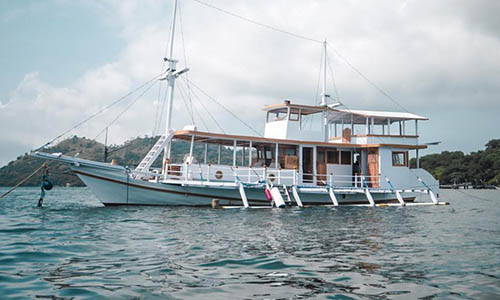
(219, 174)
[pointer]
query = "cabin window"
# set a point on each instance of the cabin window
(399, 159)
(333, 157)
(294, 116)
(345, 157)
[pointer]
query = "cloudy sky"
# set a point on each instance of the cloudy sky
(63, 60)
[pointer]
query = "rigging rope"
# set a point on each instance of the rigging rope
(97, 113)
(181, 92)
(126, 109)
(208, 112)
(368, 80)
(221, 105)
(185, 61)
(307, 39)
(258, 23)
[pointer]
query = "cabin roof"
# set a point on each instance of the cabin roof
(305, 109)
(242, 140)
(359, 116)
(336, 115)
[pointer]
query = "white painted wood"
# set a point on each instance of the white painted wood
(333, 197)
(296, 196)
(400, 199)
(243, 196)
(369, 197)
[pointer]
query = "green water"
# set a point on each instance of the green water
(74, 248)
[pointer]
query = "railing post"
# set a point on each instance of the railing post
(208, 172)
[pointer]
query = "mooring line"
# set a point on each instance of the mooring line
(24, 180)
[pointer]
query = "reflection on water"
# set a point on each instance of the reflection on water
(75, 248)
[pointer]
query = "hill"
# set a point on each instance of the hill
(480, 168)
(128, 154)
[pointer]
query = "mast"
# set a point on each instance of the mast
(171, 75)
(170, 71)
(324, 96)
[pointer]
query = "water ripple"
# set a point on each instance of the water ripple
(76, 248)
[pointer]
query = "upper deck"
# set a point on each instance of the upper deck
(341, 126)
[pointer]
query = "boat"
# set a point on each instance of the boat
(308, 155)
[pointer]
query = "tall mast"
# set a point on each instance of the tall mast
(324, 96)
(170, 72)
(171, 75)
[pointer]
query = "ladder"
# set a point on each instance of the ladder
(153, 154)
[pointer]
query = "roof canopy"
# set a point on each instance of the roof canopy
(294, 108)
(379, 117)
(338, 115)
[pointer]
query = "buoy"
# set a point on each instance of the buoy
(215, 203)
(268, 195)
(278, 199)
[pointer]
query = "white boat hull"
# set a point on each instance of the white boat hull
(119, 189)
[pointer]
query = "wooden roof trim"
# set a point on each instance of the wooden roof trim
(231, 137)
(291, 105)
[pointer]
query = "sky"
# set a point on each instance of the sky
(61, 61)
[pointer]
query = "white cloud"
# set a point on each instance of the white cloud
(429, 55)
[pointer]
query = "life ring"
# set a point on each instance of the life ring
(272, 178)
(219, 174)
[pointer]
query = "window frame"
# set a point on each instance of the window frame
(405, 158)
(350, 158)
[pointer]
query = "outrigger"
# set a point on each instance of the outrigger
(308, 155)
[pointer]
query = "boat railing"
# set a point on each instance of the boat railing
(251, 175)
(335, 180)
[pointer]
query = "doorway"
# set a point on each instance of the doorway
(307, 165)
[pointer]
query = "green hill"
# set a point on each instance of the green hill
(128, 154)
(479, 168)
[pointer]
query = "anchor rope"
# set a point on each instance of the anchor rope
(24, 180)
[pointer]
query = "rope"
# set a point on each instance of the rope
(126, 108)
(258, 23)
(476, 197)
(24, 180)
(225, 108)
(185, 61)
(96, 113)
(190, 112)
(368, 80)
(208, 112)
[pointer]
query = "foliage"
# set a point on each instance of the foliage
(479, 168)
(128, 154)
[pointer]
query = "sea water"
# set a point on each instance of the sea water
(74, 248)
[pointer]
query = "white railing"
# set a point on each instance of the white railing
(249, 175)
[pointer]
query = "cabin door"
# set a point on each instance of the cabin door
(372, 159)
(321, 166)
(307, 164)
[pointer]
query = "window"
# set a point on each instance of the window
(333, 157)
(345, 157)
(399, 159)
(294, 116)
